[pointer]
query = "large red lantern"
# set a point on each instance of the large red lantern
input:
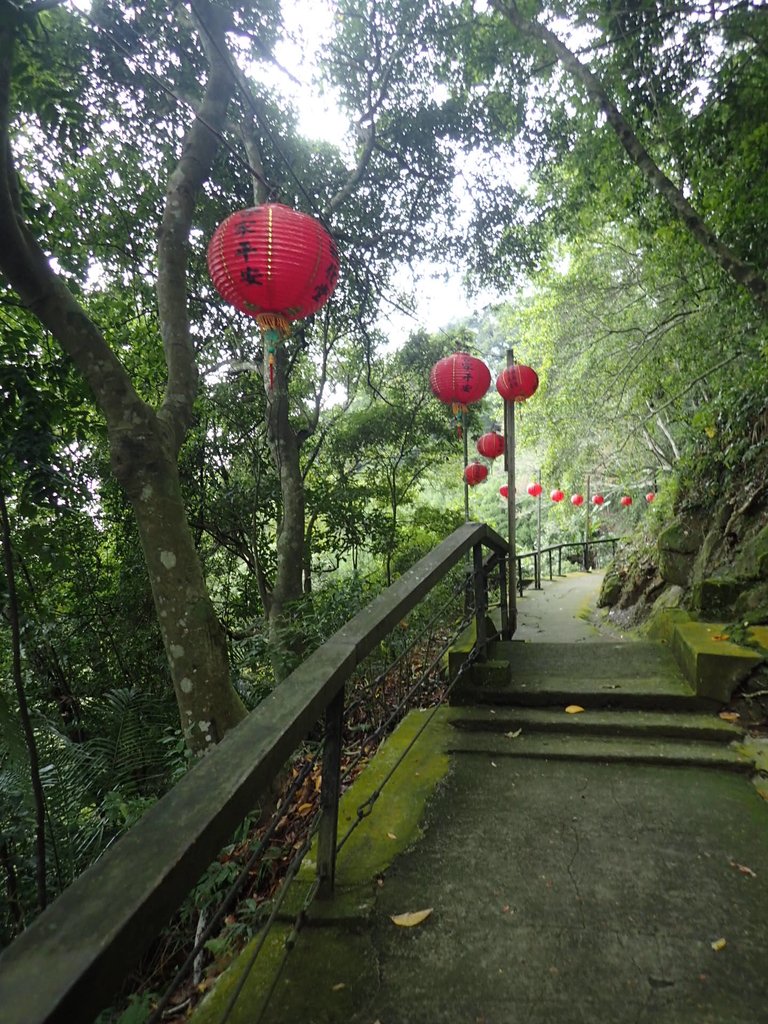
(534, 490)
(598, 499)
(517, 383)
(650, 496)
(273, 263)
(459, 379)
(557, 495)
(475, 473)
(626, 501)
(504, 491)
(491, 445)
(577, 499)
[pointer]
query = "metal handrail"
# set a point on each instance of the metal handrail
(583, 546)
(68, 964)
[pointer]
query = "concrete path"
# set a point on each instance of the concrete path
(563, 610)
(566, 893)
(570, 880)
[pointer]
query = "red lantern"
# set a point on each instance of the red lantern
(517, 383)
(459, 379)
(577, 499)
(491, 445)
(557, 495)
(475, 473)
(273, 263)
(598, 499)
(504, 491)
(534, 490)
(626, 501)
(650, 496)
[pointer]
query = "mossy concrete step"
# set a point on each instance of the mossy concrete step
(641, 724)
(590, 660)
(659, 693)
(713, 664)
(605, 749)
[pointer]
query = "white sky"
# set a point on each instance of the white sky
(438, 290)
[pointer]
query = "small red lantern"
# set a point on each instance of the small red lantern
(491, 445)
(534, 490)
(273, 263)
(650, 496)
(517, 383)
(459, 379)
(557, 495)
(598, 499)
(504, 491)
(626, 501)
(475, 473)
(577, 499)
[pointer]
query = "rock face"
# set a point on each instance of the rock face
(679, 544)
(713, 558)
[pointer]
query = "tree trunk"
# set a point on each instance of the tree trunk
(739, 270)
(284, 446)
(144, 444)
(26, 721)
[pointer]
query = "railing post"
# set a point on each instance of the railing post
(519, 563)
(560, 560)
(329, 797)
(481, 597)
(586, 557)
(551, 574)
(503, 604)
(536, 571)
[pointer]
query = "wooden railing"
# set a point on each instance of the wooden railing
(70, 962)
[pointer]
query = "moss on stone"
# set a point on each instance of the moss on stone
(716, 597)
(333, 966)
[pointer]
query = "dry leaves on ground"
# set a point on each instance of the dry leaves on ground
(411, 919)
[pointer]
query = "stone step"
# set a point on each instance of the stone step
(599, 722)
(552, 747)
(485, 686)
(593, 660)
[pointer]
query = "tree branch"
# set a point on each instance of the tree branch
(739, 270)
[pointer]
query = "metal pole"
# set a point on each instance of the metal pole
(329, 797)
(586, 528)
(509, 433)
(466, 461)
(538, 534)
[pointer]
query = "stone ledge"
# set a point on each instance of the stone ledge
(714, 667)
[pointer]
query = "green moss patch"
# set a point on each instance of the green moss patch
(333, 967)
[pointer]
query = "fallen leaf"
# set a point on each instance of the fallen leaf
(513, 735)
(729, 716)
(720, 636)
(743, 869)
(505, 909)
(391, 835)
(718, 944)
(494, 765)
(710, 431)
(410, 920)
(573, 709)
(338, 986)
